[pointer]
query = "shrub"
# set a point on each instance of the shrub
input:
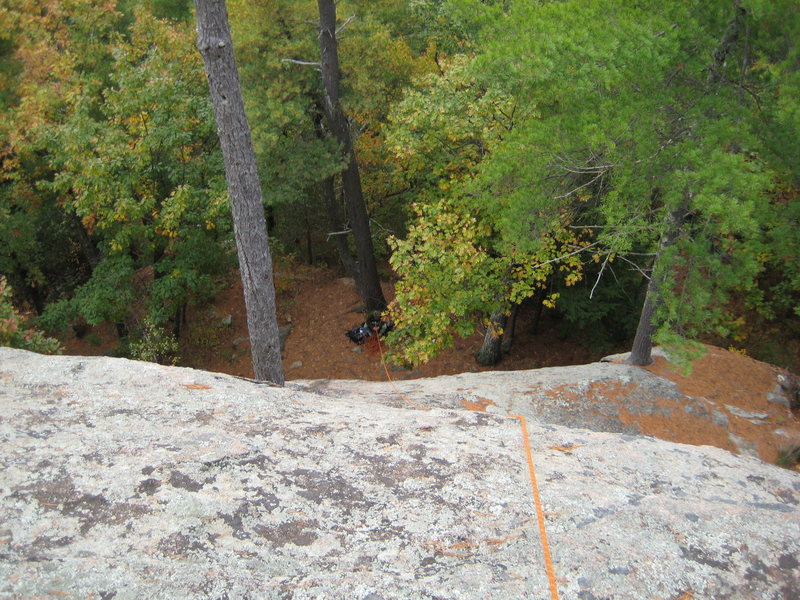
(16, 332)
(155, 345)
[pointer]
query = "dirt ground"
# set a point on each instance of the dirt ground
(320, 306)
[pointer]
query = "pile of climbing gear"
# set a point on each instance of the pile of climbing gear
(374, 325)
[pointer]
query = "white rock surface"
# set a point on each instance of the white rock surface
(121, 479)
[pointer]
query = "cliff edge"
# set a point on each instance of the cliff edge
(123, 479)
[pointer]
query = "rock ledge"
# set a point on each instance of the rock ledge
(122, 479)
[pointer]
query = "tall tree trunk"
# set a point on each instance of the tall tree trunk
(247, 206)
(368, 281)
(643, 340)
(331, 204)
(339, 239)
(489, 354)
(511, 326)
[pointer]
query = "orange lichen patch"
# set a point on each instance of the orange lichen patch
(479, 404)
(723, 403)
(679, 426)
(196, 386)
(667, 420)
(566, 447)
(728, 379)
(566, 391)
(725, 377)
(760, 436)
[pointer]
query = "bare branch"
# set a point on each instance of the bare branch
(345, 24)
(306, 63)
(635, 266)
(599, 275)
(563, 256)
(330, 234)
(588, 183)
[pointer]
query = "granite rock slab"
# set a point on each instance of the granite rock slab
(123, 479)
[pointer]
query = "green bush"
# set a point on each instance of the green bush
(155, 345)
(16, 332)
(788, 458)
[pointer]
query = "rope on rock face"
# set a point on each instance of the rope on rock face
(389, 377)
(548, 561)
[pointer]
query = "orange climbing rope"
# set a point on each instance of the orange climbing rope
(548, 561)
(389, 377)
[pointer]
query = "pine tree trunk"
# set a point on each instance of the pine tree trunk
(643, 340)
(247, 207)
(340, 240)
(489, 354)
(329, 194)
(508, 333)
(368, 281)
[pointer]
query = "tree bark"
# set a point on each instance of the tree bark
(368, 281)
(328, 187)
(643, 340)
(247, 206)
(340, 240)
(510, 328)
(489, 354)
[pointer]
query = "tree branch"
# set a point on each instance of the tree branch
(599, 275)
(306, 63)
(345, 24)
(588, 183)
(330, 234)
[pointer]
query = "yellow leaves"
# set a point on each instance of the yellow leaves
(550, 301)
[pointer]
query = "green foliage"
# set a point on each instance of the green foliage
(682, 352)
(107, 296)
(176, 10)
(621, 115)
(16, 333)
(446, 125)
(524, 146)
(788, 458)
(452, 269)
(131, 161)
(628, 131)
(155, 344)
(284, 103)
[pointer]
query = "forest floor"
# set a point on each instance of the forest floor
(320, 306)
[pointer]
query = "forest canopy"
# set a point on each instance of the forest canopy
(630, 166)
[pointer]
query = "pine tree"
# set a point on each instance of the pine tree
(255, 263)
